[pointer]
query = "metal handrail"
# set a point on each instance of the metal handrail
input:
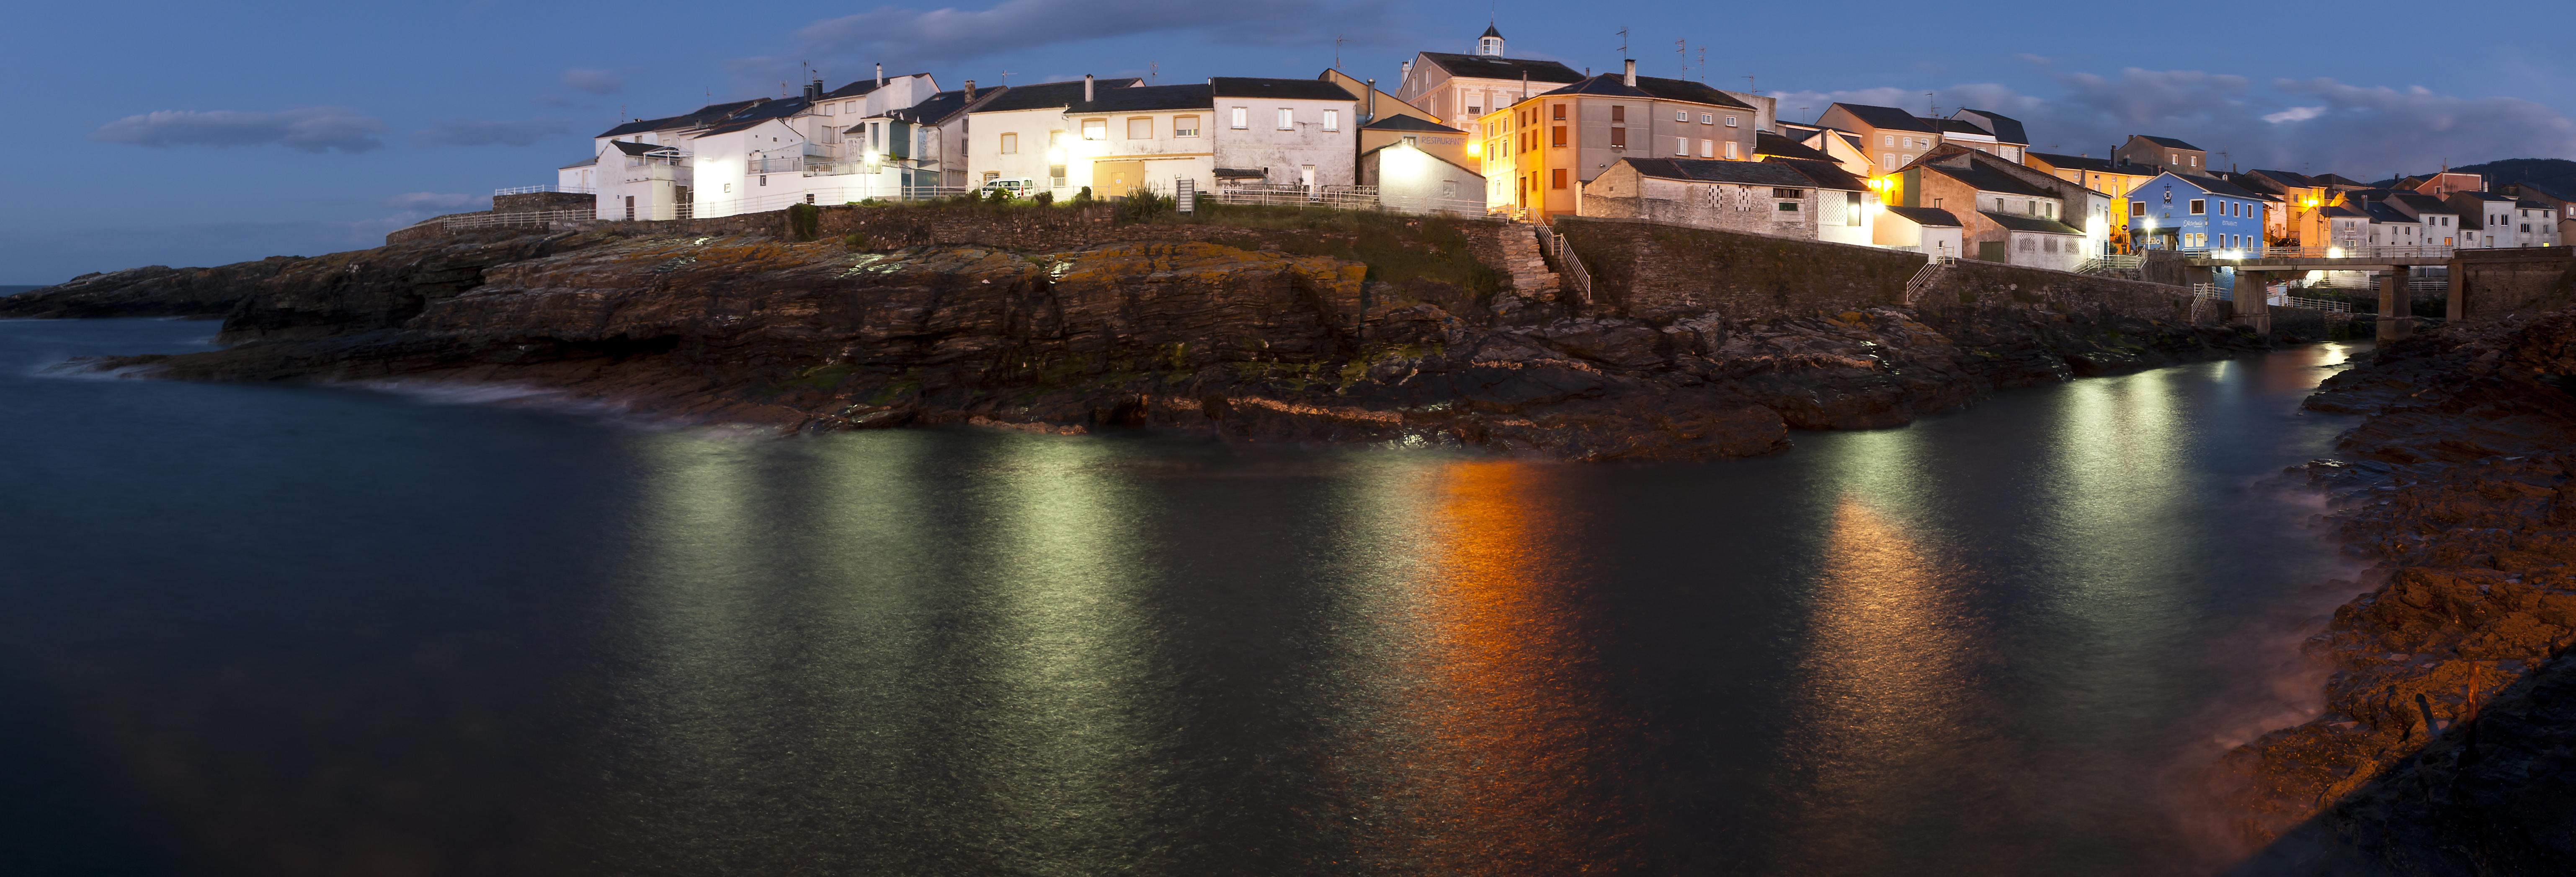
(531, 190)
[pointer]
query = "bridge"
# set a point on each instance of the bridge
(2317, 258)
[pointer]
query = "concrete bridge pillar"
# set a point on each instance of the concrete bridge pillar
(2396, 318)
(2253, 302)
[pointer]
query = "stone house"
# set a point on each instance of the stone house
(1769, 197)
(1893, 138)
(2162, 153)
(2007, 212)
(1290, 132)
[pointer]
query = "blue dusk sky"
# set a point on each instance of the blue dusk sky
(153, 132)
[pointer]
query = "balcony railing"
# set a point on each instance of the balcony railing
(776, 164)
(531, 190)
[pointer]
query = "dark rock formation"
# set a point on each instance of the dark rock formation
(1191, 333)
(2447, 746)
(154, 291)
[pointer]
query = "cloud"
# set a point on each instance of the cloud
(311, 129)
(436, 201)
(593, 81)
(2318, 125)
(468, 132)
(903, 35)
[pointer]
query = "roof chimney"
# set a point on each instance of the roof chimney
(881, 73)
(1371, 116)
(970, 89)
(1086, 88)
(1630, 78)
(1407, 72)
(814, 91)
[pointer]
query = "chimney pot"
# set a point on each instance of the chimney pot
(1630, 78)
(970, 89)
(1086, 88)
(880, 73)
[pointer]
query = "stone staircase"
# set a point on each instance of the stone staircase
(1530, 274)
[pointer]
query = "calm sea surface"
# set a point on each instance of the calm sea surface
(276, 630)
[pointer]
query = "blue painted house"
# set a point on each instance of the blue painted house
(2176, 211)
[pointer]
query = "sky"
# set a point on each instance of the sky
(151, 132)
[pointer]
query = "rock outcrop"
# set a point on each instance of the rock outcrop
(1199, 332)
(2448, 745)
(154, 291)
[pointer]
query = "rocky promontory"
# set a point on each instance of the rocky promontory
(1364, 328)
(2448, 742)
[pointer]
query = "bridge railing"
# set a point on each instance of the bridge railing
(2356, 253)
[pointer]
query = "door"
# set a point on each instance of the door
(1990, 251)
(1115, 179)
(1306, 177)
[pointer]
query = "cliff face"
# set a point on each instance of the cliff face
(1185, 334)
(2448, 745)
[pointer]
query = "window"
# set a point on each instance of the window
(1681, 115)
(728, 188)
(1788, 193)
(1705, 118)
(1055, 175)
(1681, 146)
(1618, 113)
(1730, 121)
(1556, 178)
(1010, 144)
(1708, 149)
(1730, 151)
(1887, 160)
(2199, 206)
(1242, 118)
(764, 179)
(1560, 111)
(1185, 126)
(1890, 140)
(1095, 129)
(1788, 206)
(2048, 245)
(1618, 138)
(1851, 209)
(1054, 138)
(1140, 128)
(1556, 136)
(1333, 120)
(2029, 244)
(1287, 119)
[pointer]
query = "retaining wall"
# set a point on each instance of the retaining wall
(2492, 284)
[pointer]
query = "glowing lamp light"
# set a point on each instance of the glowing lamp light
(1475, 147)
(2150, 223)
(1055, 154)
(2334, 252)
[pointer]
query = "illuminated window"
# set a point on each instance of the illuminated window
(1010, 144)
(1140, 128)
(1185, 126)
(1095, 129)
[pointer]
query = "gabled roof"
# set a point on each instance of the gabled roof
(1482, 67)
(701, 116)
(2381, 214)
(1767, 143)
(582, 163)
(1049, 95)
(767, 110)
(2262, 188)
(2418, 203)
(1150, 97)
(2482, 196)
(1615, 85)
(2168, 142)
(2535, 205)
(1986, 179)
(2528, 187)
(1889, 118)
(1962, 126)
(2005, 128)
(1709, 170)
(932, 110)
(2214, 185)
(2022, 222)
(862, 87)
(2346, 211)
(1409, 123)
(1927, 216)
(1823, 173)
(2289, 178)
(2096, 165)
(2338, 180)
(1278, 89)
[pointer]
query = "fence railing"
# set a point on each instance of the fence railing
(2330, 305)
(1925, 276)
(2319, 252)
(1344, 197)
(1569, 267)
(504, 220)
(776, 164)
(531, 190)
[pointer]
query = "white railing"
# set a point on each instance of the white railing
(1344, 197)
(1569, 267)
(531, 190)
(776, 164)
(531, 218)
(2331, 305)
(2355, 253)
(1924, 277)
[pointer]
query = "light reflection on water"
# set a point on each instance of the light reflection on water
(508, 642)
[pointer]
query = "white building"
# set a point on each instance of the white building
(1148, 138)
(1799, 198)
(1300, 132)
(1931, 231)
(1022, 134)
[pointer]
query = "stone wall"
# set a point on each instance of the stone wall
(536, 202)
(2491, 284)
(1660, 272)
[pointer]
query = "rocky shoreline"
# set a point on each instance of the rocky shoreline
(1269, 337)
(2448, 744)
